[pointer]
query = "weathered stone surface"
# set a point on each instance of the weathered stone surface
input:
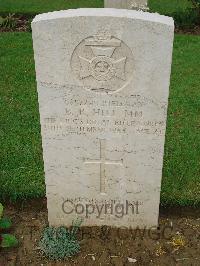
(127, 4)
(103, 83)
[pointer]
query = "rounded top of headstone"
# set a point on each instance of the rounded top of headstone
(104, 12)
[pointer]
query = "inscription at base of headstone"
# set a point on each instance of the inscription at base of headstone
(127, 4)
(103, 82)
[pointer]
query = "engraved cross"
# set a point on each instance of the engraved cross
(103, 162)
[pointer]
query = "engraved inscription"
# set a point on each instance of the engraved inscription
(102, 63)
(103, 162)
(85, 114)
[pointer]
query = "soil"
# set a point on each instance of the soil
(192, 31)
(22, 24)
(175, 242)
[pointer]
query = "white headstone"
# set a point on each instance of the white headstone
(103, 82)
(127, 4)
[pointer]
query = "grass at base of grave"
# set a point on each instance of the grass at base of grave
(41, 6)
(181, 174)
(21, 166)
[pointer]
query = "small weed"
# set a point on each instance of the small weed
(6, 240)
(178, 241)
(160, 251)
(8, 22)
(59, 243)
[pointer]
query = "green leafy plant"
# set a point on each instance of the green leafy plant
(196, 6)
(29, 29)
(185, 19)
(1, 21)
(6, 240)
(195, 3)
(9, 22)
(189, 17)
(59, 243)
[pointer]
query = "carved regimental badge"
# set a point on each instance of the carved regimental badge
(103, 63)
